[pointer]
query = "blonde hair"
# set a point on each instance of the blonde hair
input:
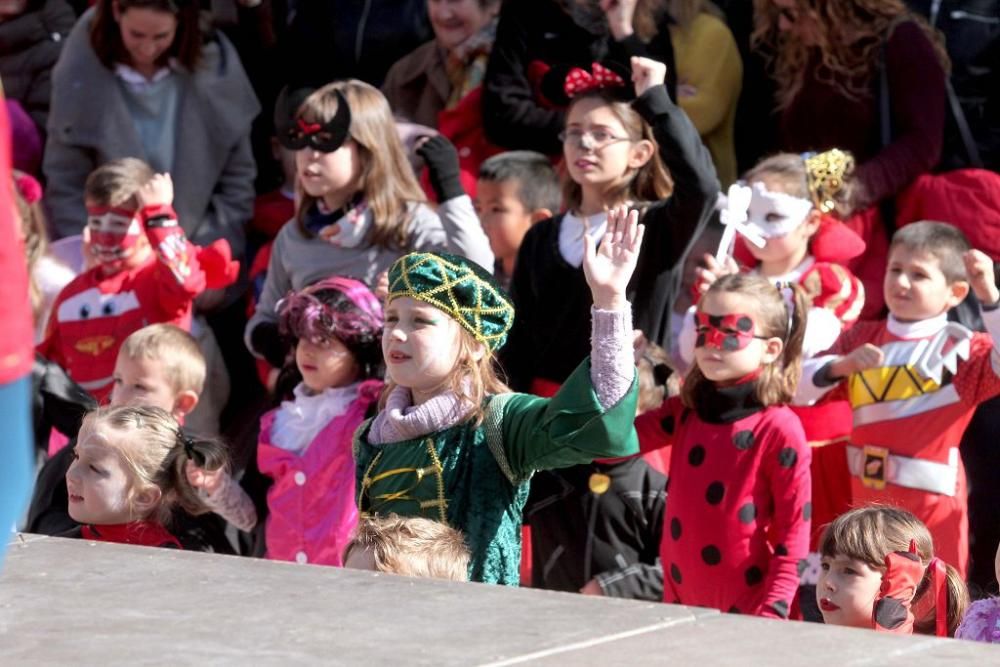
(471, 380)
(36, 241)
(386, 179)
(869, 534)
(648, 183)
(178, 351)
(790, 170)
(156, 452)
(413, 547)
(851, 34)
(115, 183)
(778, 380)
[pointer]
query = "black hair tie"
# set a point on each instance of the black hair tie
(190, 451)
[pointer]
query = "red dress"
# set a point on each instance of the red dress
(738, 501)
(94, 314)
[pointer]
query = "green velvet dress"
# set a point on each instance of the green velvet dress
(475, 479)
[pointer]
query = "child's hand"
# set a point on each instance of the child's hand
(207, 480)
(979, 267)
(647, 73)
(381, 290)
(592, 588)
(609, 268)
(712, 271)
(619, 14)
(639, 344)
(865, 357)
(159, 191)
(443, 168)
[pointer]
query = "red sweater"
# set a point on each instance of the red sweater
(822, 117)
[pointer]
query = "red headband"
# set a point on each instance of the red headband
(580, 81)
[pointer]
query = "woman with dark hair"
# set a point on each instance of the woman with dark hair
(140, 78)
(827, 57)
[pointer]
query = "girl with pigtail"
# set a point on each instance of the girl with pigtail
(129, 472)
(738, 512)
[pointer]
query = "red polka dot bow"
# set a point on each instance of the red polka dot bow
(580, 81)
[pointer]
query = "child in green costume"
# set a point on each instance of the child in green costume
(453, 443)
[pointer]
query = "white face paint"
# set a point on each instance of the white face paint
(776, 214)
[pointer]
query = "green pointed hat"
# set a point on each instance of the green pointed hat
(459, 287)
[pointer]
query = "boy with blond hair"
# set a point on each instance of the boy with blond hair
(160, 366)
(408, 546)
(915, 380)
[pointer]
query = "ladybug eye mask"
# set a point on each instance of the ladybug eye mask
(725, 332)
(324, 137)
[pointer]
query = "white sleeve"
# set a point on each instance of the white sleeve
(822, 331)
(808, 391)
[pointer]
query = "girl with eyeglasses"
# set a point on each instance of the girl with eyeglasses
(645, 154)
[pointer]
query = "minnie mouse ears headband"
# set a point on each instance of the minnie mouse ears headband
(826, 175)
(580, 81)
(325, 137)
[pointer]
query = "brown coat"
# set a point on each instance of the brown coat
(417, 86)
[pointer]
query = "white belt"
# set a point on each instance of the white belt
(876, 467)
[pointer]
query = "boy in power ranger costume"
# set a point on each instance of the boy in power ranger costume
(145, 272)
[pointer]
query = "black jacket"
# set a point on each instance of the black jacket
(551, 331)
(29, 47)
(578, 534)
(540, 31)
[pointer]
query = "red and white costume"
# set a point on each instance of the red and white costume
(909, 416)
(738, 504)
(94, 313)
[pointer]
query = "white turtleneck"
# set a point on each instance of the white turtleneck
(299, 421)
(919, 329)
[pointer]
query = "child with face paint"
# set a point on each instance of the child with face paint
(361, 207)
(879, 571)
(301, 476)
(738, 507)
(144, 272)
(790, 201)
(451, 442)
(128, 473)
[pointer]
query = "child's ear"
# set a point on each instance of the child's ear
(773, 347)
(812, 222)
(479, 351)
(641, 153)
(145, 501)
(184, 403)
(958, 290)
(540, 214)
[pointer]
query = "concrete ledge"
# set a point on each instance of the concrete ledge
(82, 603)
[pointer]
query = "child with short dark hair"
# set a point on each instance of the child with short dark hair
(146, 272)
(914, 381)
(515, 190)
(408, 546)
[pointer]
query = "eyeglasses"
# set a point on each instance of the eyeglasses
(596, 139)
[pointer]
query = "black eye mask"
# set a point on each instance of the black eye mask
(325, 138)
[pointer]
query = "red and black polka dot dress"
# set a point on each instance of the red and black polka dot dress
(738, 501)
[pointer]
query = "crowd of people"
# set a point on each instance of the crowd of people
(655, 299)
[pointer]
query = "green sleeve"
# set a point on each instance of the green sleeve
(568, 429)
(362, 455)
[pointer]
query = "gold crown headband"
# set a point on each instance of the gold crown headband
(826, 174)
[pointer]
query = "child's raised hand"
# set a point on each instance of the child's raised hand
(207, 480)
(159, 191)
(619, 14)
(979, 268)
(712, 271)
(860, 359)
(609, 268)
(647, 73)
